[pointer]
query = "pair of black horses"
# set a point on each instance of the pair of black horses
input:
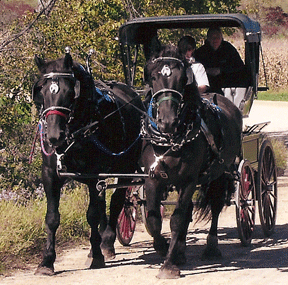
(186, 141)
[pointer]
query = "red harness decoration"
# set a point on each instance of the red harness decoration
(55, 112)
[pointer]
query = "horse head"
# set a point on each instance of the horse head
(166, 74)
(56, 93)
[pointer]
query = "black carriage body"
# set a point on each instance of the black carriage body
(137, 33)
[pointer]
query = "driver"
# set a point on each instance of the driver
(221, 60)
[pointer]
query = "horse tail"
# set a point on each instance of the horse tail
(215, 194)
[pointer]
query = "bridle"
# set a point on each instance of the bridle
(166, 71)
(53, 110)
(54, 89)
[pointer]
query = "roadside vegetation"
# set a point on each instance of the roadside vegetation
(94, 24)
(22, 226)
(273, 95)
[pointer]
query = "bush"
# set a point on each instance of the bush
(281, 154)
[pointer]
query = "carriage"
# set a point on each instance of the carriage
(89, 131)
(256, 178)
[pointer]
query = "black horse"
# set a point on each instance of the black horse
(195, 141)
(84, 131)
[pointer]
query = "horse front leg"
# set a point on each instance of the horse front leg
(96, 214)
(109, 235)
(216, 194)
(52, 187)
(154, 195)
(179, 223)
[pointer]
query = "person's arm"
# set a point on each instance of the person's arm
(200, 77)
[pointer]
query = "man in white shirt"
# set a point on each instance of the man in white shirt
(186, 47)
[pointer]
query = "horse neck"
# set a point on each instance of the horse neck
(83, 106)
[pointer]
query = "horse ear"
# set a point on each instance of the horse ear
(156, 45)
(39, 62)
(36, 94)
(68, 61)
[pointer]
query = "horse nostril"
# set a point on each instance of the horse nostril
(53, 141)
(57, 138)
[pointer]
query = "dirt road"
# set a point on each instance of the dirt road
(264, 262)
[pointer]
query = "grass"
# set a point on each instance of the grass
(23, 233)
(273, 95)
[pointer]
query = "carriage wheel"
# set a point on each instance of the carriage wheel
(127, 218)
(267, 188)
(245, 202)
(143, 208)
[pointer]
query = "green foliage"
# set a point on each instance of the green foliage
(280, 152)
(15, 143)
(94, 24)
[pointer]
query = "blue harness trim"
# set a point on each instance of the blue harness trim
(104, 95)
(150, 114)
(104, 149)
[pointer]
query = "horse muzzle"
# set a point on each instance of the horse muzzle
(168, 126)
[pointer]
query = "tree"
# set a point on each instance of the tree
(82, 25)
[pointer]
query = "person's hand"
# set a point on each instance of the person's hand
(213, 71)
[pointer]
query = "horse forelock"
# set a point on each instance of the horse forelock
(57, 65)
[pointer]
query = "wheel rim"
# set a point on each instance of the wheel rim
(127, 219)
(267, 189)
(245, 210)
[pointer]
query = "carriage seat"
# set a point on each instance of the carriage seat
(242, 97)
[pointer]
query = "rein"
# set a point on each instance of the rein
(40, 131)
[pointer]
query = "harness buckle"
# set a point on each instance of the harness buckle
(59, 165)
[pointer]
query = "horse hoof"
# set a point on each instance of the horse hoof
(43, 270)
(161, 246)
(108, 253)
(169, 272)
(97, 263)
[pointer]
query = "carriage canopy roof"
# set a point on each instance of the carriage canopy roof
(136, 30)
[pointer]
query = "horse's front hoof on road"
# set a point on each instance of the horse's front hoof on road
(211, 251)
(108, 253)
(43, 270)
(161, 246)
(169, 271)
(97, 263)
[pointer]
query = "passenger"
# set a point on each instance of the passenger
(186, 47)
(222, 62)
